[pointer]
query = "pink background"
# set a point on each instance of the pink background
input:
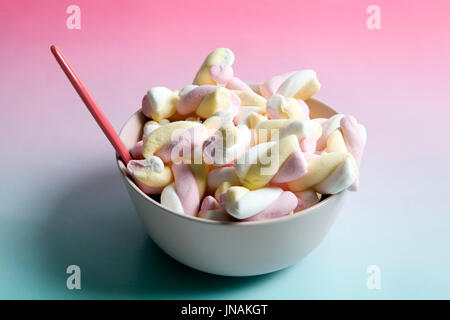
(394, 80)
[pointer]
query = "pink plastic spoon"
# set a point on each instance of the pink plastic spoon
(95, 110)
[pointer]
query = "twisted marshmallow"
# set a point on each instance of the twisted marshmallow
(217, 70)
(280, 107)
(329, 173)
(260, 204)
(136, 151)
(160, 103)
(174, 141)
(184, 195)
(343, 133)
(150, 175)
(226, 144)
(306, 131)
(220, 175)
(280, 161)
(207, 100)
(300, 85)
(212, 210)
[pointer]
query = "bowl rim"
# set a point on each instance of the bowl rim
(121, 166)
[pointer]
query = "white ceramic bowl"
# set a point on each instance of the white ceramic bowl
(232, 248)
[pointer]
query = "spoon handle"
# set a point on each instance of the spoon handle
(90, 103)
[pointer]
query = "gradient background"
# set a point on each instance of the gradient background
(62, 201)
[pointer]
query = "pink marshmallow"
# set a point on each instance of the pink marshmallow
(352, 137)
(308, 144)
(238, 84)
(186, 188)
(189, 102)
(221, 74)
(284, 205)
(306, 199)
(271, 86)
(209, 203)
(293, 168)
(354, 142)
(135, 165)
(186, 142)
(136, 151)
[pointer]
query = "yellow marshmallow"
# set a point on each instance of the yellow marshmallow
(164, 134)
(260, 171)
(229, 134)
(220, 56)
(153, 178)
(219, 99)
(335, 142)
(251, 99)
(291, 110)
(200, 173)
(235, 193)
(308, 90)
(318, 170)
(212, 124)
(223, 187)
(265, 129)
(253, 119)
(167, 108)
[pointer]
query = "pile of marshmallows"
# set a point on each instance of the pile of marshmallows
(226, 150)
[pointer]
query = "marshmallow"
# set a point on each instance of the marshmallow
(237, 84)
(160, 103)
(149, 126)
(171, 200)
(260, 204)
(306, 131)
(150, 175)
(244, 112)
(252, 119)
(217, 70)
(228, 143)
(221, 74)
(328, 126)
(300, 85)
(174, 141)
(211, 209)
(249, 98)
(185, 194)
(340, 179)
(136, 151)
(343, 133)
(279, 107)
(329, 173)
(293, 168)
(212, 124)
(306, 199)
(218, 100)
(191, 97)
(262, 162)
(354, 136)
(218, 176)
(219, 57)
(207, 100)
